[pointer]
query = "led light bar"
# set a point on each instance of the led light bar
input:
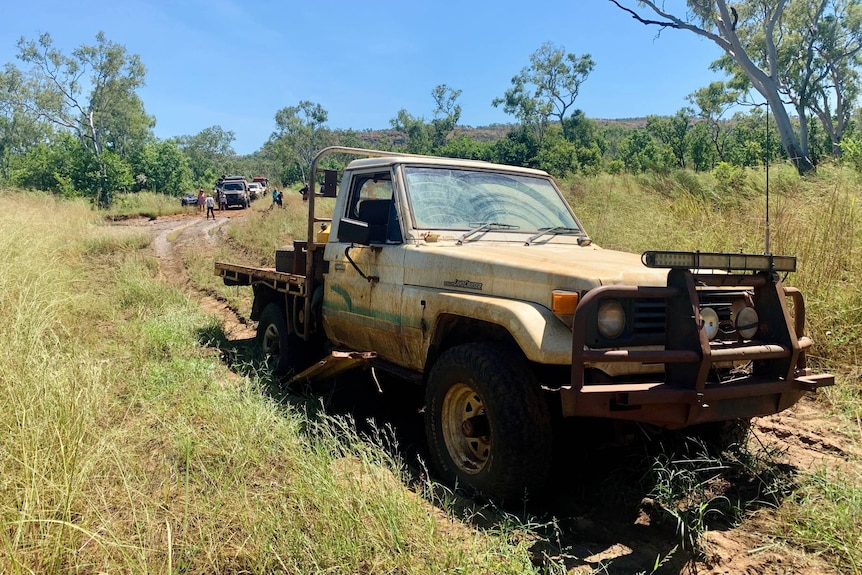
(719, 261)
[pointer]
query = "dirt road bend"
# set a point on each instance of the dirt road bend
(177, 238)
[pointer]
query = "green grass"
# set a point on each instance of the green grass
(146, 204)
(825, 516)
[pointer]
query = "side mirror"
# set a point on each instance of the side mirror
(354, 231)
(329, 189)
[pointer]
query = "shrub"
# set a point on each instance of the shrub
(728, 178)
(851, 153)
(615, 167)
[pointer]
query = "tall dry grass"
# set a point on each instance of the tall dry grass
(53, 386)
(127, 447)
(817, 219)
(149, 204)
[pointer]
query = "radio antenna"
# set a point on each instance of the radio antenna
(766, 161)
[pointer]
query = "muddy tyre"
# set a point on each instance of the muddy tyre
(719, 436)
(487, 423)
(282, 351)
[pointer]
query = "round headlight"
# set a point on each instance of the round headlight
(611, 319)
(746, 322)
(710, 322)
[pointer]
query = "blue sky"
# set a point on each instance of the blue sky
(235, 63)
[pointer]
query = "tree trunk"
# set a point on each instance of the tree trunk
(790, 142)
(724, 35)
(803, 128)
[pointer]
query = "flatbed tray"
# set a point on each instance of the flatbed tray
(239, 275)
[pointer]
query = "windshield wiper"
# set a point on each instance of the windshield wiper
(486, 226)
(559, 230)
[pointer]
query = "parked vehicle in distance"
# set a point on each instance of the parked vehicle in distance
(262, 182)
(189, 200)
(254, 190)
(235, 190)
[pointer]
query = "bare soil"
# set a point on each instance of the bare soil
(176, 238)
(598, 529)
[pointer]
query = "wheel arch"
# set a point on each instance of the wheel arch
(451, 330)
(263, 296)
(531, 328)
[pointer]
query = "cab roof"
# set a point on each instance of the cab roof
(434, 161)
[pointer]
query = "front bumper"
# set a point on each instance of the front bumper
(687, 391)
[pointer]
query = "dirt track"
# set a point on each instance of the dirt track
(175, 238)
(607, 536)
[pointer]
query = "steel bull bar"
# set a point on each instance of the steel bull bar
(682, 395)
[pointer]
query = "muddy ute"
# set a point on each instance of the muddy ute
(477, 281)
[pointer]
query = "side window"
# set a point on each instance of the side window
(369, 188)
(372, 202)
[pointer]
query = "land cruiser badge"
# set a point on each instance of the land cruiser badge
(463, 284)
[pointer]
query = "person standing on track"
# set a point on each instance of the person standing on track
(201, 199)
(210, 205)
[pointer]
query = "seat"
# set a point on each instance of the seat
(376, 214)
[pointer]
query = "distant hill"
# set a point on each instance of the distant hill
(489, 133)
(625, 122)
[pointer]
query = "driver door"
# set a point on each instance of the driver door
(363, 288)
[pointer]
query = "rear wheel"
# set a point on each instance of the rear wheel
(487, 424)
(281, 350)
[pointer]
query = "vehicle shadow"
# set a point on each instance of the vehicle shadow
(620, 499)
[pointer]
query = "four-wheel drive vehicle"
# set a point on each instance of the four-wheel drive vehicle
(189, 200)
(478, 281)
(262, 182)
(254, 191)
(235, 190)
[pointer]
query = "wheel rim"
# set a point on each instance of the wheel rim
(271, 342)
(464, 427)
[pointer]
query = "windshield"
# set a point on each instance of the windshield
(461, 199)
(232, 186)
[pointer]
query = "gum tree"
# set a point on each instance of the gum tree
(208, 152)
(90, 93)
(447, 112)
(423, 137)
(818, 57)
(547, 88)
(750, 33)
(300, 133)
(19, 131)
(712, 103)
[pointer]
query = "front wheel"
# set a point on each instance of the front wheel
(487, 424)
(719, 436)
